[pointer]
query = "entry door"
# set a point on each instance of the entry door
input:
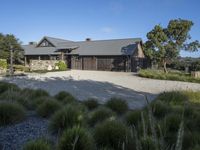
(68, 60)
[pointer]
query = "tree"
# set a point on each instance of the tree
(164, 44)
(6, 41)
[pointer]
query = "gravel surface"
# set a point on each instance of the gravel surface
(13, 137)
(102, 85)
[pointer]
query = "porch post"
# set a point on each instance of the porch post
(25, 61)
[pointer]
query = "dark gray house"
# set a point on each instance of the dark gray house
(110, 55)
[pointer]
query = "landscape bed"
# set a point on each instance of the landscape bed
(171, 121)
(171, 75)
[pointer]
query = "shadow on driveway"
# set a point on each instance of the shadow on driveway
(84, 89)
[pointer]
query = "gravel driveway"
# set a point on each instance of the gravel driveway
(102, 85)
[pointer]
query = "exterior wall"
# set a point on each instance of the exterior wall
(43, 64)
(103, 63)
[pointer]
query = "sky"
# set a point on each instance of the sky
(30, 20)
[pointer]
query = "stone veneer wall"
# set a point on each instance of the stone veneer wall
(2, 71)
(43, 64)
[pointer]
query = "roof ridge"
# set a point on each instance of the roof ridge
(56, 38)
(139, 39)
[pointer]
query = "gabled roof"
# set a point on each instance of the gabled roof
(99, 47)
(107, 47)
(53, 41)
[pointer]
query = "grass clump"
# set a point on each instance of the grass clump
(65, 118)
(38, 93)
(76, 138)
(37, 145)
(99, 115)
(111, 134)
(147, 143)
(4, 86)
(65, 97)
(11, 113)
(173, 98)
(160, 109)
(133, 118)
(117, 105)
(91, 103)
(47, 108)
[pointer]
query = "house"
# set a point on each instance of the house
(109, 55)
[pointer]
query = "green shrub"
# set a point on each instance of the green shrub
(21, 68)
(39, 93)
(173, 98)
(76, 138)
(4, 86)
(35, 102)
(173, 122)
(112, 134)
(11, 113)
(91, 103)
(48, 108)
(3, 64)
(61, 65)
(37, 145)
(118, 105)
(66, 118)
(133, 118)
(148, 143)
(99, 115)
(160, 109)
(65, 97)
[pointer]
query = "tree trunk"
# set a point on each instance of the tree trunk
(165, 66)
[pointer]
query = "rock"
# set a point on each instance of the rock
(14, 137)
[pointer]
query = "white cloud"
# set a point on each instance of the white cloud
(107, 29)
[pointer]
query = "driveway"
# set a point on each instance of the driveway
(102, 85)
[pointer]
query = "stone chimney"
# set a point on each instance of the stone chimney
(88, 39)
(32, 43)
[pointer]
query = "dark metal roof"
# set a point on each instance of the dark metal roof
(100, 47)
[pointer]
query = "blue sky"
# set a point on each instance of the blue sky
(76, 20)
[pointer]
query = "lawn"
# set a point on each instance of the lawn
(171, 121)
(171, 75)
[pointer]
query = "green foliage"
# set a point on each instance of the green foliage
(133, 118)
(112, 134)
(39, 93)
(91, 103)
(5, 42)
(11, 113)
(118, 105)
(65, 118)
(61, 65)
(164, 44)
(4, 86)
(195, 66)
(65, 97)
(76, 138)
(174, 76)
(160, 109)
(21, 68)
(48, 108)
(148, 143)
(3, 64)
(37, 145)
(100, 114)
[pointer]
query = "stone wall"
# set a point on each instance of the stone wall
(2, 71)
(43, 65)
(195, 74)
